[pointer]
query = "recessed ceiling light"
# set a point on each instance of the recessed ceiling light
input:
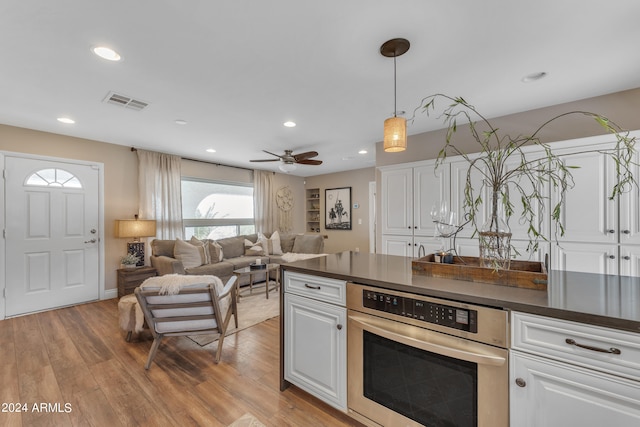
(533, 77)
(362, 152)
(66, 120)
(210, 150)
(107, 53)
(181, 122)
(290, 124)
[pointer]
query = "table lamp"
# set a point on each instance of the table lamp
(136, 228)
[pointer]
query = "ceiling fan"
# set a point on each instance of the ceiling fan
(289, 159)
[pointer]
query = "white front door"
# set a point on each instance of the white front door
(52, 234)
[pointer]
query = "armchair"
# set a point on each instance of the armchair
(188, 305)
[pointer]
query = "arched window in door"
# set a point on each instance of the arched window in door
(54, 178)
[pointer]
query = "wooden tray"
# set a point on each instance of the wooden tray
(522, 274)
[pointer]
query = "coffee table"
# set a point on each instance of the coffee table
(247, 271)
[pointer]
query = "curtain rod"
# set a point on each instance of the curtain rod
(205, 161)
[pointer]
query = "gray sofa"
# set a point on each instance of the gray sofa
(233, 250)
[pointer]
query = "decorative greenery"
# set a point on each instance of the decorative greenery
(129, 259)
(497, 151)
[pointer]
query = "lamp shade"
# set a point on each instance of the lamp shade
(395, 134)
(135, 228)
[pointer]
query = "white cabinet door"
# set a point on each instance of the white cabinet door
(630, 211)
(430, 187)
(429, 245)
(630, 260)
(588, 215)
(397, 245)
(585, 258)
(397, 201)
(459, 171)
(315, 348)
(552, 394)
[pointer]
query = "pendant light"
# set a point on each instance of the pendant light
(395, 128)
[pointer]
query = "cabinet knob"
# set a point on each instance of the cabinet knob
(626, 232)
(612, 257)
(409, 227)
(520, 382)
(339, 326)
(626, 257)
(611, 231)
(415, 226)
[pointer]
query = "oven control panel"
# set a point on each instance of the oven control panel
(425, 311)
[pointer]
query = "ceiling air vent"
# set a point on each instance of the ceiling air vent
(125, 101)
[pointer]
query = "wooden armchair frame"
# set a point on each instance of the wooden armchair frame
(195, 310)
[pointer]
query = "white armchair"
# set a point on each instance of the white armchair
(191, 305)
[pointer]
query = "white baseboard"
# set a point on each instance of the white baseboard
(110, 293)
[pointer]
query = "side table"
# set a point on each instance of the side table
(130, 278)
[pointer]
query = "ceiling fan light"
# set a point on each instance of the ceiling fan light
(287, 167)
(395, 134)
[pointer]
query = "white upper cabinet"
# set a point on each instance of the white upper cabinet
(588, 215)
(397, 201)
(459, 169)
(430, 188)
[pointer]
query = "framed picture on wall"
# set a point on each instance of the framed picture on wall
(337, 203)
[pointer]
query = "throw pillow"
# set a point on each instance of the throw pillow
(216, 251)
(253, 249)
(206, 255)
(271, 245)
(188, 254)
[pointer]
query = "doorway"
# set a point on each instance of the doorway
(53, 233)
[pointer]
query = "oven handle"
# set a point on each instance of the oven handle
(480, 359)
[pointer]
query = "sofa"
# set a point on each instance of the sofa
(221, 257)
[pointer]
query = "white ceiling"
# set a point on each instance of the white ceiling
(236, 70)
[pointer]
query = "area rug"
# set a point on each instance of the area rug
(247, 420)
(252, 309)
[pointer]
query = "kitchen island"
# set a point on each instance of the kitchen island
(582, 332)
(595, 299)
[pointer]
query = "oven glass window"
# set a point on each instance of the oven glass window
(429, 388)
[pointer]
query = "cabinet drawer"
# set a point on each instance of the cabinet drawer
(619, 350)
(316, 287)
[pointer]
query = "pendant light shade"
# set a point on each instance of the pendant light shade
(395, 134)
(395, 128)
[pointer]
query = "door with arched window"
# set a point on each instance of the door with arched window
(52, 222)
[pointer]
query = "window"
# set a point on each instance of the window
(214, 210)
(53, 178)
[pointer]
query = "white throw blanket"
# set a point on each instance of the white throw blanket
(292, 256)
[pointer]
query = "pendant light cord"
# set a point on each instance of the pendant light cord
(395, 89)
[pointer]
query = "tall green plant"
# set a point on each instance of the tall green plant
(495, 151)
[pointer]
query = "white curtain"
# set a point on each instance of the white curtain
(159, 192)
(264, 207)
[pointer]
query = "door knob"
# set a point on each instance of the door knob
(90, 241)
(520, 382)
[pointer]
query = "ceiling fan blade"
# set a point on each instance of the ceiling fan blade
(305, 156)
(310, 162)
(265, 160)
(273, 154)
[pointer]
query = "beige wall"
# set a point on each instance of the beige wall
(358, 236)
(121, 179)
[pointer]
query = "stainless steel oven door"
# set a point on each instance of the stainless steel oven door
(397, 368)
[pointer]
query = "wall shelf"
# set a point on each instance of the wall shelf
(313, 210)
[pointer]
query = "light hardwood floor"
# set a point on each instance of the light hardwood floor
(78, 356)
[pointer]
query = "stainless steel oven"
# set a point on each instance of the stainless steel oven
(414, 360)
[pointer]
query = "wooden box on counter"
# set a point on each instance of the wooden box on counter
(521, 274)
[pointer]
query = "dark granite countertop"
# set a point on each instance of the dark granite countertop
(594, 299)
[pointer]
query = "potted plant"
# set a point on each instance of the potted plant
(129, 260)
(497, 154)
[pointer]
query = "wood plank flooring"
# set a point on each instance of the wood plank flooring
(76, 362)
